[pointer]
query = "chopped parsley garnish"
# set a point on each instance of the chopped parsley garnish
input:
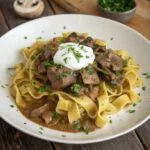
(64, 27)
(131, 111)
(77, 126)
(125, 62)
(24, 123)
(64, 54)
(41, 128)
(44, 88)
(139, 94)
(39, 38)
(90, 70)
(110, 121)
(49, 63)
(117, 73)
(2, 86)
(134, 105)
(55, 114)
(148, 76)
(113, 82)
(76, 88)
(25, 37)
(62, 75)
(143, 88)
(65, 59)
(40, 132)
(117, 5)
(87, 56)
(63, 135)
(12, 106)
(145, 74)
(111, 38)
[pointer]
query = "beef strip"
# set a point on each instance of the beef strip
(90, 76)
(110, 60)
(60, 78)
(88, 125)
(94, 93)
(88, 42)
(72, 37)
(47, 117)
(41, 67)
(38, 111)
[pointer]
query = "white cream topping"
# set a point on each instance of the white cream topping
(74, 56)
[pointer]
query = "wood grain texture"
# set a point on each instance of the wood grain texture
(12, 139)
(143, 133)
(140, 22)
(12, 18)
(3, 25)
(126, 142)
(57, 8)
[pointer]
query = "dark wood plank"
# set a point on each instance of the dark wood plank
(12, 18)
(12, 139)
(126, 142)
(143, 133)
(57, 9)
(3, 25)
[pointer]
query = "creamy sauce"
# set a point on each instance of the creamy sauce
(74, 56)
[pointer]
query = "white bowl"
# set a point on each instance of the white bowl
(48, 27)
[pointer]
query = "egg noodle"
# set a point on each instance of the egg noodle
(110, 100)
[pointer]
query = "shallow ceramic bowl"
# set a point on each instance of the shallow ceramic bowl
(118, 16)
(117, 35)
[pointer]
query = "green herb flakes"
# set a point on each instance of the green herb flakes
(143, 88)
(12, 106)
(131, 111)
(55, 114)
(134, 104)
(2, 86)
(110, 121)
(44, 88)
(25, 37)
(63, 135)
(65, 60)
(90, 70)
(77, 126)
(76, 88)
(24, 123)
(87, 57)
(40, 132)
(113, 82)
(39, 38)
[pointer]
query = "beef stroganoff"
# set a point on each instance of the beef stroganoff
(74, 82)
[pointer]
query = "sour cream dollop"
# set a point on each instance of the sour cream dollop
(74, 56)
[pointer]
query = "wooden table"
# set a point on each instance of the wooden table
(12, 139)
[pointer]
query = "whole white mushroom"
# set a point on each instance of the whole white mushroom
(29, 8)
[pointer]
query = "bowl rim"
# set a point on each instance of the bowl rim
(42, 137)
(117, 13)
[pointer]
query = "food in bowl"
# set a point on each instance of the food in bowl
(74, 82)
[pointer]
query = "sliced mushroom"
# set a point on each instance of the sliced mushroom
(29, 8)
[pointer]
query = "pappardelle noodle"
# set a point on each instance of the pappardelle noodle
(74, 100)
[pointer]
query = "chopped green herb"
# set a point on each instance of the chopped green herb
(55, 114)
(77, 126)
(64, 27)
(41, 128)
(145, 74)
(39, 38)
(54, 32)
(12, 106)
(40, 132)
(148, 76)
(49, 63)
(139, 94)
(143, 88)
(33, 57)
(111, 38)
(45, 88)
(131, 111)
(24, 123)
(87, 57)
(117, 5)
(65, 59)
(63, 135)
(134, 105)
(2, 86)
(90, 70)
(6, 84)
(118, 73)
(62, 75)
(86, 131)
(110, 121)
(64, 54)
(33, 82)
(76, 88)
(125, 62)
(113, 82)
(25, 37)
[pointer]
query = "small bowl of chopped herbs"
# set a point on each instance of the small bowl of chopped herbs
(120, 10)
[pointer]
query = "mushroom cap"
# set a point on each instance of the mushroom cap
(27, 9)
